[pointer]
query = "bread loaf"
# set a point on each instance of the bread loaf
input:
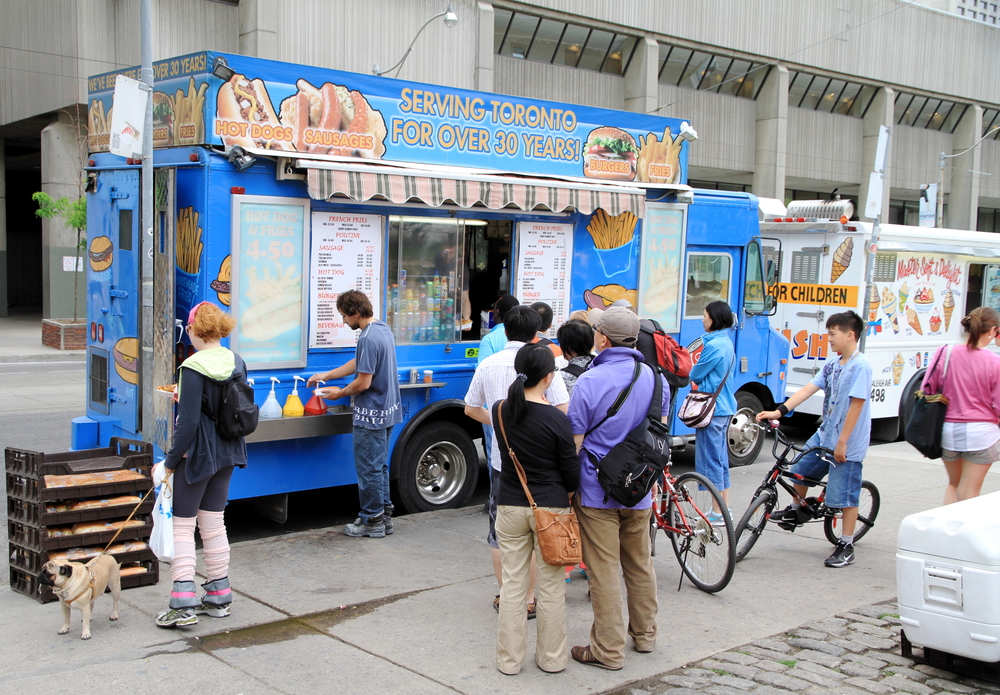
(79, 479)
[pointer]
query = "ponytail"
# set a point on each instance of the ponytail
(533, 363)
(979, 322)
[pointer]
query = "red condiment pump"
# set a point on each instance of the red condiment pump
(316, 405)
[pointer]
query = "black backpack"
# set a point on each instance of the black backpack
(238, 414)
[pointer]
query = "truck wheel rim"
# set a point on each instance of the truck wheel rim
(742, 433)
(440, 473)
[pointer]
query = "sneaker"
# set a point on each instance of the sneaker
(177, 617)
(217, 599)
(373, 528)
(717, 519)
(843, 555)
(387, 519)
(789, 518)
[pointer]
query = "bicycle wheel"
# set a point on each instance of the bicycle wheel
(868, 505)
(754, 521)
(706, 553)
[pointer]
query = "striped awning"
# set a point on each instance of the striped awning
(493, 192)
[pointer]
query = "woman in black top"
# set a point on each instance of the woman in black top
(202, 463)
(542, 439)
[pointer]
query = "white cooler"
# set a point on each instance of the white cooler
(948, 578)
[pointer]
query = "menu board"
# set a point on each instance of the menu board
(346, 255)
(268, 256)
(544, 252)
(660, 263)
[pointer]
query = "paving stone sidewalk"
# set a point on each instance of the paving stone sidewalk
(855, 653)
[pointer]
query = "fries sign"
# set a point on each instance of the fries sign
(127, 116)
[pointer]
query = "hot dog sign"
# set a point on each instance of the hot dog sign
(280, 107)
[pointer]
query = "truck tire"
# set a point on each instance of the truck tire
(439, 468)
(743, 438)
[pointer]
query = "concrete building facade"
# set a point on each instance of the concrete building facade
(788, 96)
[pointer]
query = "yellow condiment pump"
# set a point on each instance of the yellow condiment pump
(293, 406)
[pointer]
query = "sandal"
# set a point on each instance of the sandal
(531, 607)
(585, 656)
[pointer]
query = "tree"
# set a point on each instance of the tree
(73, 213)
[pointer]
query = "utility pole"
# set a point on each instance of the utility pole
(146, 392)
(876, 187)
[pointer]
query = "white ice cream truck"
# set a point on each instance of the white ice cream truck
(925, 281)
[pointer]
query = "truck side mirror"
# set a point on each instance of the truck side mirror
(770, 274)
(770, 306)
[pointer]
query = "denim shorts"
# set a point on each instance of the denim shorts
(843, 489)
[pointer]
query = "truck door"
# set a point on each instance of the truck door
(113, 297)
(804, 323)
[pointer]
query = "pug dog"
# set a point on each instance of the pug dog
(78, 586)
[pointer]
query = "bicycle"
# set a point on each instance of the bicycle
(757, 515)
(706, 552)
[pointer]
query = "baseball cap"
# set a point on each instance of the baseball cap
(623, 303)
(619, 324)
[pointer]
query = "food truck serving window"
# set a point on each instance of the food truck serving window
(707, 281)
(427, 269)
(269, 252)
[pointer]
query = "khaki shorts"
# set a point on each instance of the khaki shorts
(984, 456)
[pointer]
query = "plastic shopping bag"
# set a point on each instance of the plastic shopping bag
(161, 542)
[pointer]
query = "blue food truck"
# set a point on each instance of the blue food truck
(279, 186)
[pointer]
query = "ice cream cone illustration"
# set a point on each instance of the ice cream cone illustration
(897, 368)
(889, 307)
(842, 259)
(935, 321)
(913, 320)
(904, 294)
(873, 301)
(949, 307)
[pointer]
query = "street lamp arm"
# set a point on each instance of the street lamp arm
(959, 154)
(399, 66)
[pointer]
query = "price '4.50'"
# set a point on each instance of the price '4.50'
(274, 250)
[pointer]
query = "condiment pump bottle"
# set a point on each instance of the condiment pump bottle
(316, 405)
(271, 410)
(293, 406)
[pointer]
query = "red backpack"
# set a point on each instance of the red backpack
(674, 361)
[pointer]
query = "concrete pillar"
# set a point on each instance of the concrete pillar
(3, 233)
(484, 49)
(771, 136)
(62, 169)
(641, 89)
(880, 113)
(258, 36)
(963, 195)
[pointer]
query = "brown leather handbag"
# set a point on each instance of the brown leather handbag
(558, 534)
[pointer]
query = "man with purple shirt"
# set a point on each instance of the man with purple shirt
(615, 538)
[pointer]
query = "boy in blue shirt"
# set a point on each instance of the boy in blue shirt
(846, 384)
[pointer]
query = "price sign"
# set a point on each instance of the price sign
(268, 257)
(346, 255)
(545, 252)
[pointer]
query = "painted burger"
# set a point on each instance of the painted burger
(101, 253)
(126, 355)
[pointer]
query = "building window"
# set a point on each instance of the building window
(991, 123)
(720, 186)
(924, 112)
(988, 220)
(682, 67)
(529, 37)
(807, 91)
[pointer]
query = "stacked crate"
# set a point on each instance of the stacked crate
(33, 508)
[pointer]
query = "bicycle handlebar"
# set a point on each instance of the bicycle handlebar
(779, 437)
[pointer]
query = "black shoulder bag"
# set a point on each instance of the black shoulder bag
(629, 470)
(926, 421)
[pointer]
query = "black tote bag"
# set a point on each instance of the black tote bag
(926, 421)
